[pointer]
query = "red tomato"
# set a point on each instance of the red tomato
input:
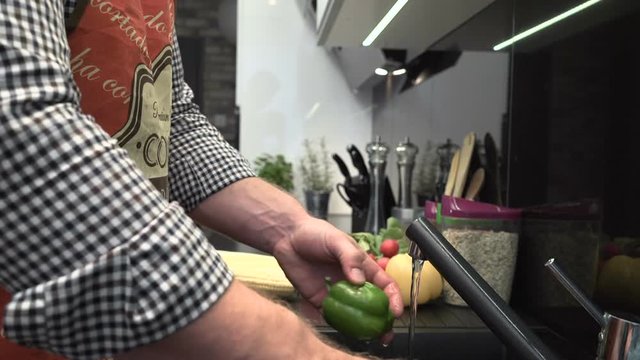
(382, 262)
(389, 248)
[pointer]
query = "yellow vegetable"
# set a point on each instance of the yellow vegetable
(618, 284)
(399, 268)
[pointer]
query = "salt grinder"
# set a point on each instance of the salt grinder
(377, 151)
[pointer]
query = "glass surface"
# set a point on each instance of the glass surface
(572, 159)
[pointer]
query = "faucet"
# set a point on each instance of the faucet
(427, 243)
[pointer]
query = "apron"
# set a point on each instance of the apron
(121, 61)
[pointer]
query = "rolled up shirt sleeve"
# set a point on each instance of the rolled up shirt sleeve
(201, 161)
(133, 294)
(97, 261)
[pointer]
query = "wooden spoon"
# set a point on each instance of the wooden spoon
(451, 178)
(475, 185)
(463, 166)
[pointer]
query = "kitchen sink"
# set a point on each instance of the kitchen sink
(432, 345)
(454, 344)
(451, 333)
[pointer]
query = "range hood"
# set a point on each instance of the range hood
(358, 64)
(342, 25)
(419, 25)
(428, 64)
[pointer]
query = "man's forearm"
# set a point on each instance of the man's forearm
(261, 213)
(241, 325)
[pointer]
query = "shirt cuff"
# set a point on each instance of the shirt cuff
(202, 163)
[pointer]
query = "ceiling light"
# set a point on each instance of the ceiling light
(395, 9)
(545, 24)
(381, 71)
(399, 71)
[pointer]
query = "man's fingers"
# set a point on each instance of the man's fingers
(351, 258)
(380, 278)
(395, 299)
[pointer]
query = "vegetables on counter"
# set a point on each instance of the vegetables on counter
(618, 284)
(400, 268)
(389, 250)
(382, 262)
(371, 243)
(358, 311)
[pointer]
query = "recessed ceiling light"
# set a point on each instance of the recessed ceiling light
(381, 71)
(395, 9)
(545, 24)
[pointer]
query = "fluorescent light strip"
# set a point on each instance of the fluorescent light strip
(395, 9)
(545, 24)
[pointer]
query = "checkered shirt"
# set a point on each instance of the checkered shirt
(97, 261)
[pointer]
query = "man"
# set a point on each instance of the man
(94, 119)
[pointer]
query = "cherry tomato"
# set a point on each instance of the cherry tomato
(382, 262)
(389, 248)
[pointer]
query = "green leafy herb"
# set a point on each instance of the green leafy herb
(276, 170)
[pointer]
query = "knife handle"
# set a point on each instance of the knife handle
(343, 168)
(358, 162)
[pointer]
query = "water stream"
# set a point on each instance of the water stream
(416, 270)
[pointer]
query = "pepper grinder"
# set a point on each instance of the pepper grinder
(377, 151)
(406, 153)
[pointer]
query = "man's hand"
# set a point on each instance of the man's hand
(308, 249)
(316, 250)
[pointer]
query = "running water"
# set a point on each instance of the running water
(415, 288)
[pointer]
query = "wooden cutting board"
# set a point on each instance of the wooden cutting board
(475, 185)
(451, 178)
(463, 165)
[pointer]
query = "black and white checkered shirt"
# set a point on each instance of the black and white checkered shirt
(96, 260)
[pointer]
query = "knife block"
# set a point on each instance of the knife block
(359, 215)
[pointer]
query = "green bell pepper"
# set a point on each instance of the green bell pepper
(361, 312)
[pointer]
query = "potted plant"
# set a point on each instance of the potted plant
(276, 170)
(316, 177)
(426, 175)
